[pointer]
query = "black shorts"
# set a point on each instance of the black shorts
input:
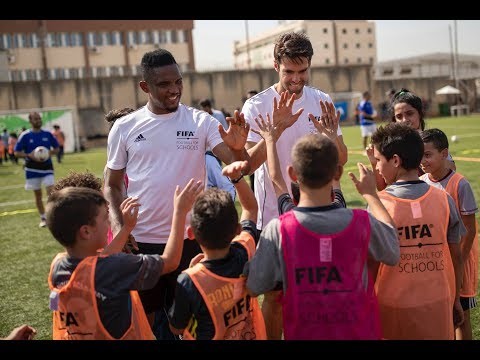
(468, 303)
(161, 295)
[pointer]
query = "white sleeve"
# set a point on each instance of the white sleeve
(116, 149)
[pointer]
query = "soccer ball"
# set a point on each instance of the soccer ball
(41, 153)
(454, 138)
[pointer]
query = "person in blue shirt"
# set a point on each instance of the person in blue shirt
(367, 118)
(37, 173)
(215, 178)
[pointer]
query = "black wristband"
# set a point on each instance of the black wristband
(234, 181)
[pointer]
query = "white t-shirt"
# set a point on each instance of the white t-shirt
(262, 103)
(160, 152)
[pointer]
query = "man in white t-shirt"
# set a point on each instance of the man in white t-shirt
(162, 145)
(292, 59)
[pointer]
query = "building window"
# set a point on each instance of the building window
(16, 41)
(345, 61)
(325, 30)
(327, 61)
(405, 71)
(182, 36)
(388, 71)
(370, 45)
(369, 30)
(6, 41)
(90, 40)
(162, 36)
(371, 60)
(325, 46)
(174, 36)
(357, 31)
(345, 46)
(141, 37)
(344, 31)
(116, 38)
(359, 60)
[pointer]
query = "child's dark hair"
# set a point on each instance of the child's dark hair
(402, 140)
(115, 114)
(154, 59)
(77, 179)
(69, 209)
(435, 136)
(405, 96)
(214, 219)
(315, 160)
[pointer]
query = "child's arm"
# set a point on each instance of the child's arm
(456, 255)
(366, 187)
(467, 240)
(268, 132)
(129, 208)
(182, 203)
(244, 192)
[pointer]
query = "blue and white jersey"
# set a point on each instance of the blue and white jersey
(27, 142)
(367, 108)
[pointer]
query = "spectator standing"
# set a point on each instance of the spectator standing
(37, 173)
(60, 136)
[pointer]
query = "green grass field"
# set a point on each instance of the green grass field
(28, 250)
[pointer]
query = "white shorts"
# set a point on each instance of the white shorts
(368, 130)
(36, 183)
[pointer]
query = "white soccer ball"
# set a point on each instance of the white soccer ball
(41, 153)
(454, 138)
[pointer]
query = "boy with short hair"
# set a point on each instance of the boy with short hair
(317, 253)
(211, 301)
(440, 175)
(94, 297)
(419, 298)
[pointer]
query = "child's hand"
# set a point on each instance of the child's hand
(235, 169)
(371, 158)
(129, 208)
(327, 124)
(366, 185)
(196, 259)
(265, 128)
(183, 200)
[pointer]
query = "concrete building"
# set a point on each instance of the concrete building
(425, 74)
(78, 49)
(335, 43)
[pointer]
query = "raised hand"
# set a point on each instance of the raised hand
(183, 200)
(328, 122)
(129, 208)
(196, 259)
(265, 128)
(371, 158)
(282, 117)
(366, 185)
(235, 169)
(236, 135)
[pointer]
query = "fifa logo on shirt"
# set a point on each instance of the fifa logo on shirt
(185, 133)
(415, 231)
(67, 318)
